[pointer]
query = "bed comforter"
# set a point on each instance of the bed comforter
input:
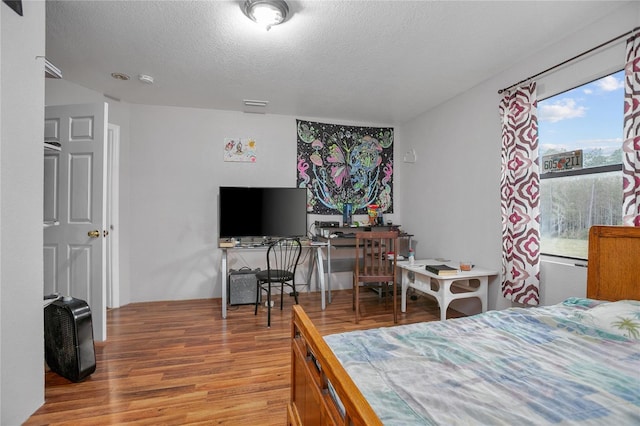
(575, 362)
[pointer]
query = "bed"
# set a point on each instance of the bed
(577, 362)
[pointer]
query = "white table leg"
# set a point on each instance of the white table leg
(329, 270)
(443, 310)
(405, 287)
(320, 276)
(223, 271)
(484, 290)
(310, 269)
(445, 297)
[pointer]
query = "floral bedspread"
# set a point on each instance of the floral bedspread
(575, 362)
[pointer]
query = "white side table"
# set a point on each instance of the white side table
(445, 289)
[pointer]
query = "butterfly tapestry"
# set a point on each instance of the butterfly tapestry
(345, 164)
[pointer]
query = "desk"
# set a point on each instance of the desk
(445, 289)
(317, 260)
(341, 264)
(348, 241)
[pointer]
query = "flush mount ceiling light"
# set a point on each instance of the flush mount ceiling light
(266, 12)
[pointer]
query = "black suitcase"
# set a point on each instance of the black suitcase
(68, 338)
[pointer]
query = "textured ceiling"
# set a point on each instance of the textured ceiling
(375, 61)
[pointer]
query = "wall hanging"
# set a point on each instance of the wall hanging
(345, 165)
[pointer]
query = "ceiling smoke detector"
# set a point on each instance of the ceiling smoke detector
(266, 12)
(147, 79)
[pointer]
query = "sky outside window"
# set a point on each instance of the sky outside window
(589, 117)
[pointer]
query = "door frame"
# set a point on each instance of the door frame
(113, 216)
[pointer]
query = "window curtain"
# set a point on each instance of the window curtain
(631, 143)
(520, 189)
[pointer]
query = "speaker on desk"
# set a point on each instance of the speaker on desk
(243, 286)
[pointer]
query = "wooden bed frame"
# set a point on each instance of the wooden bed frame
(614, 256)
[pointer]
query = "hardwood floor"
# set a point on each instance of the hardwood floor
(177, 363)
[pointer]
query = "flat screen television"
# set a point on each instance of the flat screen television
(262, 212)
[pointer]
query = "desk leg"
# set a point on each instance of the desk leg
(223, 271)
(329, 270)
(405, 286)
(320, 276)
(312, 266)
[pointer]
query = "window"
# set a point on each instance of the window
(580, 143)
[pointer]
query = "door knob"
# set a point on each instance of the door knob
(94, 234)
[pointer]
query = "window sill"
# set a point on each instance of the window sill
(566, 261)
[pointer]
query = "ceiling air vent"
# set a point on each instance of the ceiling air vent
(255, 107)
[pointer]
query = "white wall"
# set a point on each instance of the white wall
(21, 185)
(561, 278)
(451, 194)
(1, 281)
(176, 168)
(176, 157)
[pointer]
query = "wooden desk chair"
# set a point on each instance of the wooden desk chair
(374, 268)
(282, 260)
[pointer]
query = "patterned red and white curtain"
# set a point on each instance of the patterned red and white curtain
(631, 143)
(520, 189)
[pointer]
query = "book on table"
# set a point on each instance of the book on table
(441, 269)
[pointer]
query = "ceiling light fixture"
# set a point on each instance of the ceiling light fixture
(266, 12)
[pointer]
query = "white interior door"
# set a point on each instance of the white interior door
(74, 199)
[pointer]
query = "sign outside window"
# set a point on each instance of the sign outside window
(562, 162)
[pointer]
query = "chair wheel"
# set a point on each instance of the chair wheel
(266, 304)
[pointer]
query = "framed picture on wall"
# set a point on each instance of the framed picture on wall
(15, 5)
(240, 150)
